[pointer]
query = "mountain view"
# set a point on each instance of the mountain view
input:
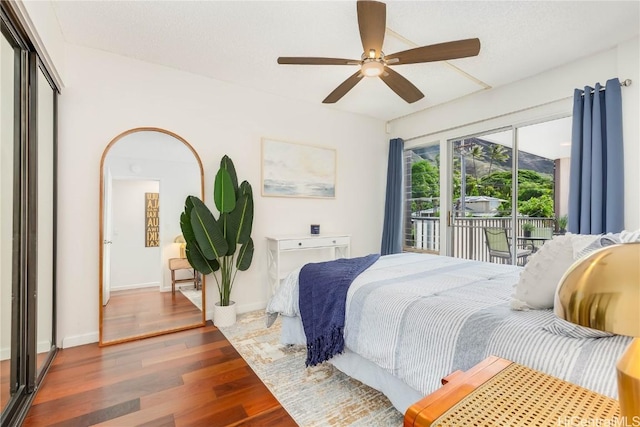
(483, 162)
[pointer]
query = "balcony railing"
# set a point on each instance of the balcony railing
(468, 234)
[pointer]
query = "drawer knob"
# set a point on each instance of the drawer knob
(334, 242)
(299, 243)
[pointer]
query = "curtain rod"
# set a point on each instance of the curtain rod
(626, 82)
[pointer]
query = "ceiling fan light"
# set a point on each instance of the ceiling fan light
(372, 68)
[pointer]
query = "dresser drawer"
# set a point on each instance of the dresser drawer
(313, 242)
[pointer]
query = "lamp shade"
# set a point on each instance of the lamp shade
(183, 245)
(602, 291)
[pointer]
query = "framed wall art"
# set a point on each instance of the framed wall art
(297, 170)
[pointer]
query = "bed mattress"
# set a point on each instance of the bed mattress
(417, 318)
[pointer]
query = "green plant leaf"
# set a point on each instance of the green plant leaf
(224, 194)
(193, 252)
(227, 164)
(245, 256)
(198, 261)
(229, 231)
(185, 220)
(207, 233)
(241, 219)
(214, 244)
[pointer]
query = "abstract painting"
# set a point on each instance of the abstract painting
(297, 170)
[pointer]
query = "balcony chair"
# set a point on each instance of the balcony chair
(546, 232)
(499, 247)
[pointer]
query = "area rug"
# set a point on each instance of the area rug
(193, 295)
(315, 396)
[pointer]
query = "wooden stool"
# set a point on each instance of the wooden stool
(183, 264)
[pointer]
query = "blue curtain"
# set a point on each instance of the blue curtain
(596, 186)
(392, 229)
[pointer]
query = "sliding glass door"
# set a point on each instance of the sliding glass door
(480, 216)
(509, 191)
(422, 199)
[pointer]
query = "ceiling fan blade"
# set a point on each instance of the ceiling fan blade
(403, 87)
(436, 52)
(344, 87)
(296, 60)
(372, 21)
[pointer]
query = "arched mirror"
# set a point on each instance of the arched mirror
(147, 287)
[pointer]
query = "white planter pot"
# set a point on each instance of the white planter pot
(224, 315)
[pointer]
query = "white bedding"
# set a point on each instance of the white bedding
(420, 317)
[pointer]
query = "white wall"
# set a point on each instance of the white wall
(541, 97)
(108, 94)
(40, 22)
(158, 156)
(133, 264)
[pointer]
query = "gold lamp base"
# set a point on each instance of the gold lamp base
(629, 384)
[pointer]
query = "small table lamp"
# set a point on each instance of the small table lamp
(602, 291)
(183, 245)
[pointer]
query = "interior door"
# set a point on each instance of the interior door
(108, 226)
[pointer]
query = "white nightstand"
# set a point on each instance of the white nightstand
(279, 246)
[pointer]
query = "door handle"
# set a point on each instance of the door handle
(107, 242)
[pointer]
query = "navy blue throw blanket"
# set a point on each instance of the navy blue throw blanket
(323, 295)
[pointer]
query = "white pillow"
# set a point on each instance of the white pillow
(584, 244)
(539, 279)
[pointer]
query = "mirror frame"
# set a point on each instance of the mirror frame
(102, 343)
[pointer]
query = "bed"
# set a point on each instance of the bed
(411, 319)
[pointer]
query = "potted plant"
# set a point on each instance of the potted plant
(562, 224)
(527, 228)
(221, 246)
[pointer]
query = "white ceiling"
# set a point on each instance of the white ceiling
(239, 42)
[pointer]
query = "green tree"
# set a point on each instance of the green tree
(425, 180)
(425, 183)
(535, 192)
(537, 207)
(497, 154)
(476, 152)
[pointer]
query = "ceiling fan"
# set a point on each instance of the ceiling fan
(372, 17)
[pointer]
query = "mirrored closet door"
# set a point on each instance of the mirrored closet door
(27, 218)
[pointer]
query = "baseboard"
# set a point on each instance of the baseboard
(44, 347)
(76, 340)
(245, 308)
(135, 286)
(92, 337)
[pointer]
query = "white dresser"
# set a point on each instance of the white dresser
(338, 245)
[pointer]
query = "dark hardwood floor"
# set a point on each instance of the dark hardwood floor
(146, 310)
(188, 378)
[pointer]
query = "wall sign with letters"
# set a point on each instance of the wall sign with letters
(152, 219)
